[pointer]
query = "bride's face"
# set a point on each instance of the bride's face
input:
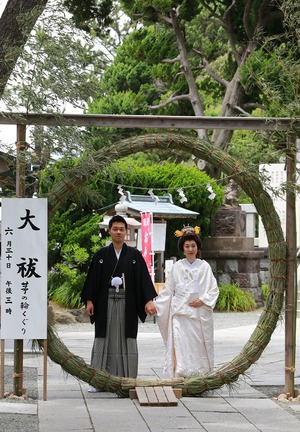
(190, 249)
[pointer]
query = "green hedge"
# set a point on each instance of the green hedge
(233, 298)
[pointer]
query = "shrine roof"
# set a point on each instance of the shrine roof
(161, 207)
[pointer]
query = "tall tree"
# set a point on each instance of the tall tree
(16, 23)
(194, 27)
(58, 67)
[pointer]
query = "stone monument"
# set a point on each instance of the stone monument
(230, 253)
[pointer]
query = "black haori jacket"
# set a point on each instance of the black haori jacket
(139, 288)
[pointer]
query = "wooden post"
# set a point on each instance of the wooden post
(18, 367)
(21, 165)
(291, 239)
(2, 369)
(20, 193)
(45, 369)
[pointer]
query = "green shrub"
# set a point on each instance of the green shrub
(233, 298)
(265, 291)
(66, 280)
(65, 285)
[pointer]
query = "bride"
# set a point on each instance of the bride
(184, 310)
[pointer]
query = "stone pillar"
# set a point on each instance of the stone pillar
(231, 254)
(229, 222)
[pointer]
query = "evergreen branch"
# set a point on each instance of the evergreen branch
(169, 101)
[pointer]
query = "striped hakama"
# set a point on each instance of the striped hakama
(115, 354)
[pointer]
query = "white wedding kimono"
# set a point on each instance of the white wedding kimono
(187, 331)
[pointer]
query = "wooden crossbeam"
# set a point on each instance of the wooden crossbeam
(156, 396)
(149, 121)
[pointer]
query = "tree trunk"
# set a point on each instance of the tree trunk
(233, 98)
(16, 24)
(184, 59)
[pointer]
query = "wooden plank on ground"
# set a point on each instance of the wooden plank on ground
(141, 395)
(177, 392)
(132, 394)
(161, 396)
(151, 395)
(155, 396)
(172, 399)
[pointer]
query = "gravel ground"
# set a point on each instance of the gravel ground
(20, 422)
(272, 392)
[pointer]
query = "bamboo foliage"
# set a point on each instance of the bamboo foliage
(228, 373)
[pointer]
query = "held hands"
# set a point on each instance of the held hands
(196, 303)
(150, 308)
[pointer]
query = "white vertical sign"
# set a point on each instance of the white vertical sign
(24, 230)
(277, 179)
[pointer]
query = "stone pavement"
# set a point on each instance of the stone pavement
(69, 407)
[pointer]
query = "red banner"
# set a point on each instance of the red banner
(146, 220)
